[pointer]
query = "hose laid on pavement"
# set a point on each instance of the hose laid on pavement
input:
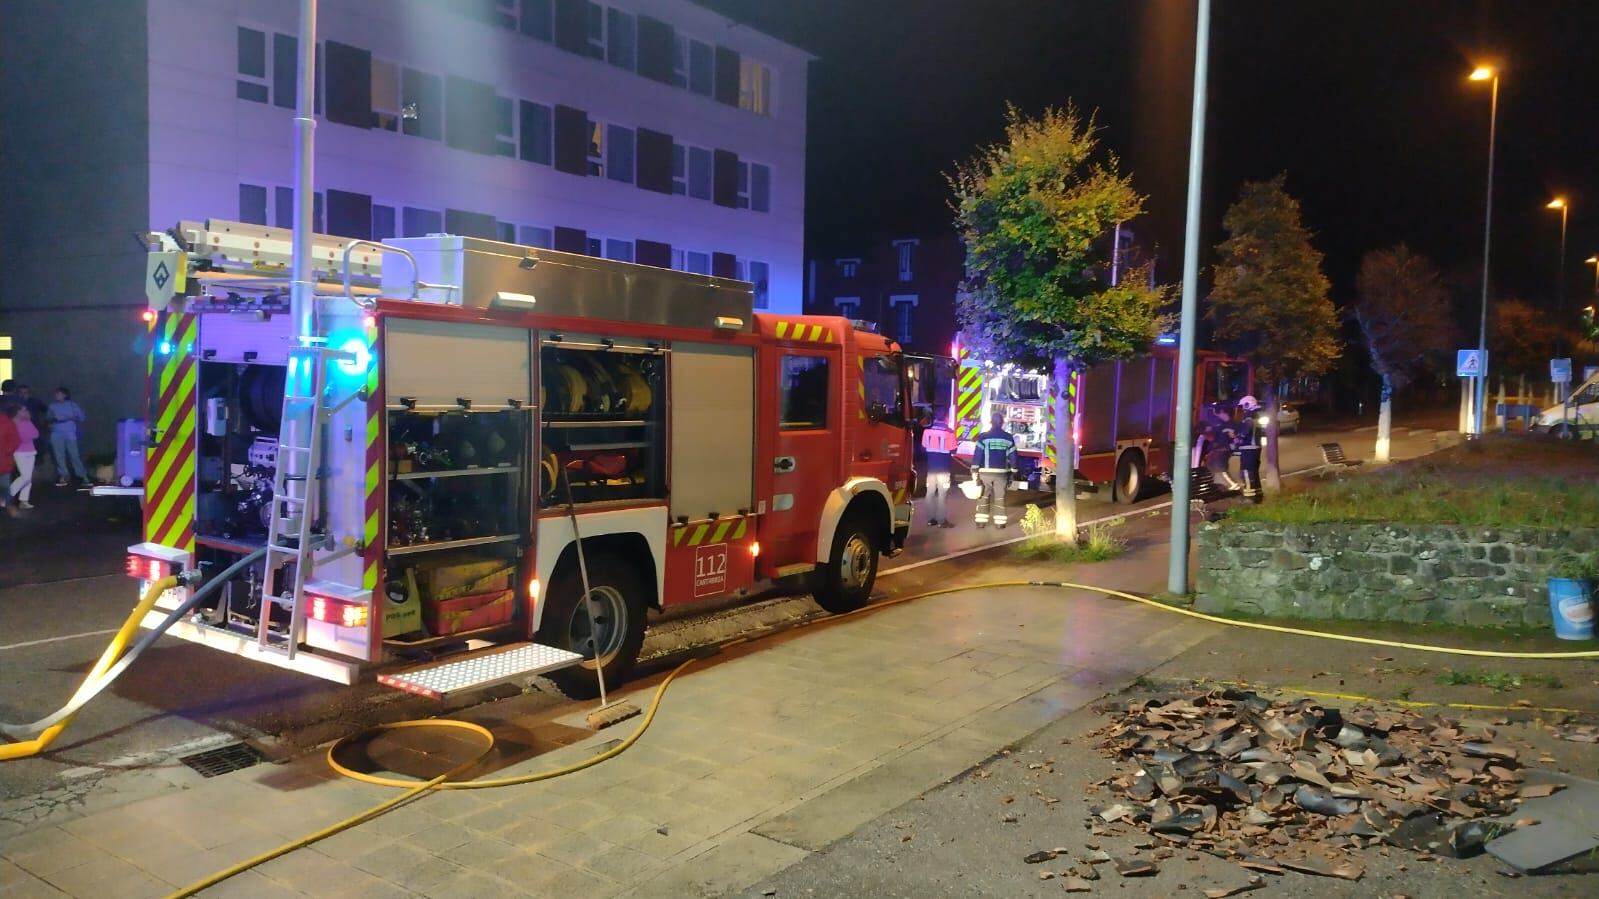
(113, 662)
(414, 789)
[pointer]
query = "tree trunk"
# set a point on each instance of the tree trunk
(1273, 478)
(1385, 419)
(1065, 455)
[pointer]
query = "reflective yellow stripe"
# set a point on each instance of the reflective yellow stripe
(699, 535)
(782, 329)
(743, 525)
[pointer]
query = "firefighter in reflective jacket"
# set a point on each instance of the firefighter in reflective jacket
(1249, 444)
(993, 458)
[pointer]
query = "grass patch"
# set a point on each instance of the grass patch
(1499, 481)
(1498, 681)
(1099, 546)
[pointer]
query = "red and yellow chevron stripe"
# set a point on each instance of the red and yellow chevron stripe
(1072, 383)
(371, 530)
(172, 388)
(710, 532)
(968, 397)
(787, 330)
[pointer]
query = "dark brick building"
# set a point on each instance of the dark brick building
(906, 286)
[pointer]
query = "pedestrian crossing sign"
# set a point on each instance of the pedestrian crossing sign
(1469, 363)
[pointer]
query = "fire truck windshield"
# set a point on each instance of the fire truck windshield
(885, 397)
(1228, 382)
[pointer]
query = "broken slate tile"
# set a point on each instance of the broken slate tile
(1077, 885)
(1136, 867)
(1042, 855)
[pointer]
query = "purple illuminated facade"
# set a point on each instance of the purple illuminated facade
(653, 131)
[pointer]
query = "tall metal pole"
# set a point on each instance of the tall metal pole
(1560, 281)
(302, 290)
(1487, 240)
(1182, 477)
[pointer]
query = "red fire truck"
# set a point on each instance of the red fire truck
(423, 468)
(1123, 420)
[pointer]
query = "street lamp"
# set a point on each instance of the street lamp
(1486, 73)
(1594, 261)
(1560, 270)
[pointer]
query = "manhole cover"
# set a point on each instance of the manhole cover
(221, 760)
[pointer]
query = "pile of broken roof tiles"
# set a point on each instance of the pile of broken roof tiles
(1299, 786)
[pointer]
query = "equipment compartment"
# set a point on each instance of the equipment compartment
(603, 424)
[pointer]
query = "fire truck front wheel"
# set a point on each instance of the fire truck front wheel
(617, 603)
(844, 582)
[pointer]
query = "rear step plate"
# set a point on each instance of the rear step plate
(441, 680)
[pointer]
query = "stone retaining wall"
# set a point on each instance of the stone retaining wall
(1413, 573)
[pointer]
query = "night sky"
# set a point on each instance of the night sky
(1364, 103)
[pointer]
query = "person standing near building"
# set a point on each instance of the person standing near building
(1249, 434)
(25, 455)
(9, 441)
(938, 442)
(994, 456)
(65, 419)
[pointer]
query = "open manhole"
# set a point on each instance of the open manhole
(233, 757)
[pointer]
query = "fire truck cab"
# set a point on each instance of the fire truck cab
(466, 418)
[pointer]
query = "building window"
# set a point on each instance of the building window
(538, 135)
(679, 169)
(680, 62)
(385, 95)
(421, 222)
(596, 32)
(621, 39)
(849, 307)
(760, 275)
(283, 209)
(505, 14)
(382, 222)
(906, 251)
(700, 173)
(804, 393)
(422, 104)
(596, 152)
(252, 204)
(505, 126)
(904, 313)
(754, 186)
(505, 232)
(6, 371)
(620, 250)
(535, 236)
(252, 83)
(537, 19)
(848, 268)
(619, 153)
(754, 87)
(691, 261)
(701, 68)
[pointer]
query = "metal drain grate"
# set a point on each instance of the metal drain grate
(234, 757)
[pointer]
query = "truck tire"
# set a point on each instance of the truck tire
(619, 607)
(844, 582)
(1128, 487)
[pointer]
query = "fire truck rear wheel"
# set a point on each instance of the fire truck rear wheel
(616, 597)
(844, 582)
(1129, 477)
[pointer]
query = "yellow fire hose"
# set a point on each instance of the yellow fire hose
(446, 781)
(113, 651)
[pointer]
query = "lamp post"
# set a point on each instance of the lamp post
(1560, 272)
(1594, 261)
(1486, 73)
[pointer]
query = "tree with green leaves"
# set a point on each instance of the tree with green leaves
(1403, 312)
(1033, 211)
(1269, 300)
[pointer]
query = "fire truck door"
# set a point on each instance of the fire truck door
(882, 451)
(805, 467)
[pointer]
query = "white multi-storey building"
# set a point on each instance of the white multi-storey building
(654, 131)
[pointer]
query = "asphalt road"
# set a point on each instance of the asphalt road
(62, 593)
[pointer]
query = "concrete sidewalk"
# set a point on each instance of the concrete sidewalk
(757, 759)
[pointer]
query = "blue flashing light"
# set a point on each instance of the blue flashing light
(356, 347)
(1166, 340)
(165, 348)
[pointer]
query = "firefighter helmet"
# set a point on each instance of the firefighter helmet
(1249, 403)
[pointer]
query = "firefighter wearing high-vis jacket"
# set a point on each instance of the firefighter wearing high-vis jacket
(994, 456)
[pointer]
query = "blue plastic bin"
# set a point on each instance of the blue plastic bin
(1571, 605)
